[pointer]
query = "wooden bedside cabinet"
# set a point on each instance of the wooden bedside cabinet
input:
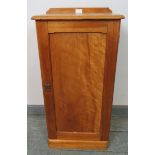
(78, 52)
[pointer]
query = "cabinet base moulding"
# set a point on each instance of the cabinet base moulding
(77, 144)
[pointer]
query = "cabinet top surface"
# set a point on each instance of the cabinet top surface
(78, 14)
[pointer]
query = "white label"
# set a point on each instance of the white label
(78, 11)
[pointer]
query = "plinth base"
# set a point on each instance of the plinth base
(77, 144)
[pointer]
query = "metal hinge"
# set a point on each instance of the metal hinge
(47, 87)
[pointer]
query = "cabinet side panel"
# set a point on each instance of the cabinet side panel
(109, 76)
(45, 64)
(78, 66)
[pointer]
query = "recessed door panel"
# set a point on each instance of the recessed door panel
(78, 68)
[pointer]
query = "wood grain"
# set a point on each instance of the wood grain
(72, 10)
(78, 66)
(88, 16)
(45, 64)
(109, 77)
(78, 135)
(78, 144)
(75, 26)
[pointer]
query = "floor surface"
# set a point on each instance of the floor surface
(37, 138)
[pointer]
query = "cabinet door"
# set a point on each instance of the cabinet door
(77, 61)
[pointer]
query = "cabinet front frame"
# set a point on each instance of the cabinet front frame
(77, 26)
(111, 29)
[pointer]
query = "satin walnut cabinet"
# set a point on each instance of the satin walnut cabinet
(78, 52)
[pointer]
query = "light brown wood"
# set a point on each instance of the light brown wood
(78, 144)
(95, 16)
(78, 55)
(78, 66)
(78, 135)
(72, 10)
(75, 26)
(109, 76)
(46, 69)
